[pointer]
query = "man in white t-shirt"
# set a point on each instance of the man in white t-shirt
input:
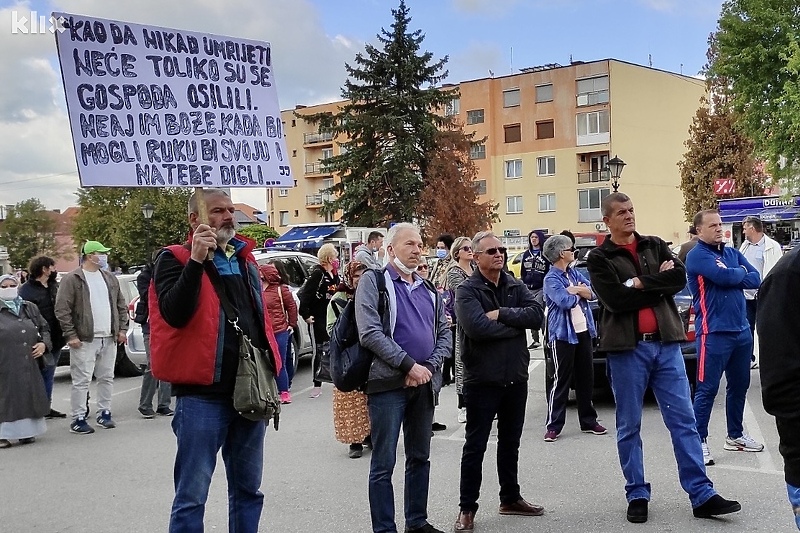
(93, 315)
(763, 253)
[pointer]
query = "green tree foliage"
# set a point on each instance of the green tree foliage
(29, 230)
(450, 187)
(716, 148)
(114, 217)
(759, 56)
(391, 119)
(259, 233)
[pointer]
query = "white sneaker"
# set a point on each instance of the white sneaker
(708, 460)
(745, 443)
(462, 415)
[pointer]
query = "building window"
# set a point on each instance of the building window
(546, 166)
(593, 91)
(513, 205)
(545, 129)
(544, 93)
(480, 186)
(294, 123)
(593, 123)
(589, 201)
(453, 107)
(511, 98)
(326, 153)
(513, 133)
(284, 218)
(294, 153)
(547, 202)
(477, 151)
(475, 116)
(513, 168)
(283, 192)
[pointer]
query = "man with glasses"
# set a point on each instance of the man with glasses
(494, 310)
(763, 253)
(635, 277)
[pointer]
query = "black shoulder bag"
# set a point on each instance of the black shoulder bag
(255, 395)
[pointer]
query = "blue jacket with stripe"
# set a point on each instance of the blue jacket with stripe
(717, 274)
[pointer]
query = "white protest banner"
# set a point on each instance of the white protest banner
(158, 107)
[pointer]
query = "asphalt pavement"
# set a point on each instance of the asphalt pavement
(120, 480)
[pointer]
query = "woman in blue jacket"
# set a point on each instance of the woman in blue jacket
(570, 330)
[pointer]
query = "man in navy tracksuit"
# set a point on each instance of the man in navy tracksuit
(717, 274)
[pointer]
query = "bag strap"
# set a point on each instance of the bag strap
(230, 310)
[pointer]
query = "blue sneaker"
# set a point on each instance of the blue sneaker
(104, 419)
(80, 427)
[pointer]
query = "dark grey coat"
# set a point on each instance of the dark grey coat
(22, 393)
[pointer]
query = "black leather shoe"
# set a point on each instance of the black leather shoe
(521, 508)
(465, 522)
(637, 511)
(436, 426)
(427, 528)
(716, 506)
(55, 414)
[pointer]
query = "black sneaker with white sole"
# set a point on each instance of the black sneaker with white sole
(105, 420)
(81, 427)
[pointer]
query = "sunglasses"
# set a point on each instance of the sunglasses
(493, 251)
(466, 248)
(422, 267)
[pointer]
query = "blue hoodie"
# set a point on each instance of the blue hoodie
(717, 274)
(534, 266)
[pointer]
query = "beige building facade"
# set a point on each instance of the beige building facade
(549, 132)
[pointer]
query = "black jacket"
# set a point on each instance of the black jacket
(495, 352)
(142, 314)
(314, 296)
(45, 299)
(610, 266)
(779, 337)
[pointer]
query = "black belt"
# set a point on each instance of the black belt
(648, 337)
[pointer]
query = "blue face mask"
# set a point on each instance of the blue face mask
(441, 254)
(102, 261)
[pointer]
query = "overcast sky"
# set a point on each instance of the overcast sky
(312, 39)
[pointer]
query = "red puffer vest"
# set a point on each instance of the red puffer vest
(188, 355)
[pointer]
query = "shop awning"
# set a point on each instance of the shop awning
(308, 235)
(767, 214)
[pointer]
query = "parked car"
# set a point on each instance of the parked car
(683, 301)
(131, 357)
(298, 266)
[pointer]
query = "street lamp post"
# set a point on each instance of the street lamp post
(147, 213)
(614, 168)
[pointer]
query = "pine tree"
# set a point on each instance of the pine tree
(390, 120)
(717, 148)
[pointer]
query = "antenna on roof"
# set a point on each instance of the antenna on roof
(512, 60)
(650, 59)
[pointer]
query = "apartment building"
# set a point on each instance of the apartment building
(549, 132)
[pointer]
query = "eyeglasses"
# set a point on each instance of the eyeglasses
(493, 251)
(422, 267)
(466, 248)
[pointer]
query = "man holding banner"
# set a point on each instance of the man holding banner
(195, 348)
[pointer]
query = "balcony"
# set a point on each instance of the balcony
(593, 176)
(590, 215)
(317, 168)
(318, 138)
(316, 200)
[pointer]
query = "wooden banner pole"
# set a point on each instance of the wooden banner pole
(202, 213)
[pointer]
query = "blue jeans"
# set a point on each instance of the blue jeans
(718, 353)
(412, 408)
(202, 426)
(290, 369)
(483, 403)
(49, 374)
(659, 366)
(282, 379)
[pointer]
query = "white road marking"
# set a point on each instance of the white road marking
(116, 393)
(759, 470)
(765, 460)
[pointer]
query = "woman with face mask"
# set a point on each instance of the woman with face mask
(24, 338)
(314, 295)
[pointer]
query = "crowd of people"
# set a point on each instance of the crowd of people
(465, 322)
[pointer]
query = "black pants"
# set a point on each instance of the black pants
(789, 433)
(449, 365)
(483, 403)
(751, 307)
(573, 364)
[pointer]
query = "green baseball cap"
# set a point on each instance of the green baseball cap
(93, 246)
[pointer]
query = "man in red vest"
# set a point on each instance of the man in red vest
(195, 348)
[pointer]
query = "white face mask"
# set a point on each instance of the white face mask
(8, 293)
(404, 269)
